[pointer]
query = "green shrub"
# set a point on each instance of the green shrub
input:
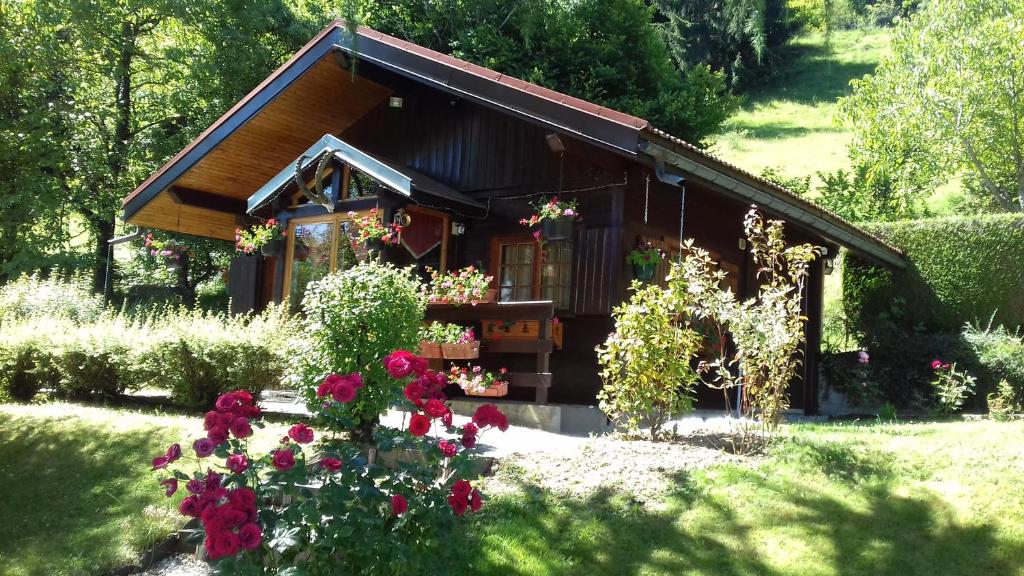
(1000, 357)
(1002, 403)
(353, 319)
(961, 270)
(32, 296)
(646, 362)
(26, 363)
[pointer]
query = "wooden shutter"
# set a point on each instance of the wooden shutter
(598, 268)
(243, 283)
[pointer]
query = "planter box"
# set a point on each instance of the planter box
(464, 351)
(521, 330)
(495, 391)
(430, 349)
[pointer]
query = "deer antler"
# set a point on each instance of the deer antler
(317, 196)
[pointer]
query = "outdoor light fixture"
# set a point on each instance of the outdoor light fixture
(395, 101)
(555, 143)
(402, 218)
(458, 228)
(742, 244)
(830, 265)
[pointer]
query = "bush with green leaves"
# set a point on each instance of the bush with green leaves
(646, 361)
(26, 363)
(351, 320)
(952, 387)
(55, 296)
(1002, 404)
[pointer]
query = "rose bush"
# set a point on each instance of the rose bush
(321, 503)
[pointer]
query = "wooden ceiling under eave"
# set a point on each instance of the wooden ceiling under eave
(327, 99)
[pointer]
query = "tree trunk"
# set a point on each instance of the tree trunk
(186, 290)
(103, 262)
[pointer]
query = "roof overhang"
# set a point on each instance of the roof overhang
(786, 205)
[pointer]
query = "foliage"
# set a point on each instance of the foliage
(475, 378)
(370, 227)
(444, 333)
(961, 270)
(1002, 404)
(646, 361)
(738, 37)
(257, 236)
(999, 355)
(33, 296)
(352, 319)
(464, 286)
(571, 47)
(645, 253)
(850, 373)
(951, 387)
(949, 98)
(259, 514)
(197, 261)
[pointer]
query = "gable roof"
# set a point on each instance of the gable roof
(622, 133)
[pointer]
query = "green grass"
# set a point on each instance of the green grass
(788, 122)
(76, 492)
(907, 499)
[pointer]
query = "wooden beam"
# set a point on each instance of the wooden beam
(201, 199)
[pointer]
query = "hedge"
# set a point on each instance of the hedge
(960, 270)
(963, 274)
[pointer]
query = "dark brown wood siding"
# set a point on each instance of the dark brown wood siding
(597, 266)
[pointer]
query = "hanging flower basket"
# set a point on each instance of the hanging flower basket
(172, 263)
(644, 271)
(557, 228)
(461, 351)
(373, 245)
(272, 248)
(496, 390)
(430, 349)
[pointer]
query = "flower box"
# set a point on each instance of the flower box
(461, 351)
(496, 390)
(430, 349)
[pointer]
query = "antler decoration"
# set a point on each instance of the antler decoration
(317, 196)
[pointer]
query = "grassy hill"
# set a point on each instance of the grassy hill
(788, 123)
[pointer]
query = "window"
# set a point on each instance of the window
(526, 270)
(317, 245)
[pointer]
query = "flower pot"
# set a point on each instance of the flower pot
(491, 295)
(301, 251)
(557, 229)
(272, 248)
(373, 245)
(430, 349)
(172, 263)
(644, 271)
(461, 351)
(492, 391)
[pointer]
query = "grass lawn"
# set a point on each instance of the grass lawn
(906, 499)
(788, 123)
(900, 499)
(76, 492)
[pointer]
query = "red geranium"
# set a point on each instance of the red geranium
(448, 449)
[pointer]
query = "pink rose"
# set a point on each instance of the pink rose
(237, 463)
(283, 459)
(301, 433)
(204, 447)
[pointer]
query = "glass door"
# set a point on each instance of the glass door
(311, 256)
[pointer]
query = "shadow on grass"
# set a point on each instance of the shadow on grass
(825, 511)
(73, 496)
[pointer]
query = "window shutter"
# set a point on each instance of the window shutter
(598, 270)
(243, 283)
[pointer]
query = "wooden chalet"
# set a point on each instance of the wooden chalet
(461, 151)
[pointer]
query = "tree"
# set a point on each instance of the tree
(949, 99)
(579, 48)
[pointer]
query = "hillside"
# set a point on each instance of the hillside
(788, 124)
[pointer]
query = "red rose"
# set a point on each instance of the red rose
(218, 435)
(398, 365)
(419, 425)
(414, 392)
(332, 464)
(327, 385)
(171, 484)
(343, 392)
(173, 452)
(237, 463)
(189, 506)
(468, 440)
(462, 488)
(222, 545)
(160, 462)
(204, 447)
(448, 449)
(250, 536)
(936, 364)
(489, 415)
(283, 459)
(301, 433)
(232, 516)
(244, 397)
(475, 503)
(240, 428)
(213, 480)
(458, 504)
(226, 402)
(447, 419)
(244, 497)
(398, 505)
(356, 379)
(435, 408)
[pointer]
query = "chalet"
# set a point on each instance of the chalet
(458, 152)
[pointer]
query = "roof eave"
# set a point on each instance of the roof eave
(781, 202)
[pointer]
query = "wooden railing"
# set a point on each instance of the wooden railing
(543, 312)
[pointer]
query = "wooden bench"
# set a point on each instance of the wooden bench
(542, 311)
